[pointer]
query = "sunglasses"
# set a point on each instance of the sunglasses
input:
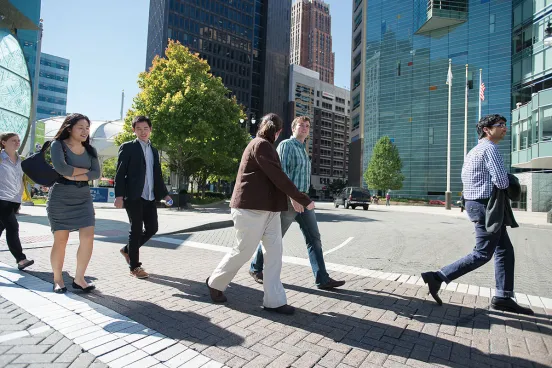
(502, 125)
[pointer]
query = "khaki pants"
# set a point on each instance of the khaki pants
(252, 227)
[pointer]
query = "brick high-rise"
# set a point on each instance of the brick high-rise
(311, 38)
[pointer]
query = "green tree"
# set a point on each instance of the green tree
(384, 169)
(109, 168)
(337, 186)
(195, 122)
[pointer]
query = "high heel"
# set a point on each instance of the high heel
(87, 289)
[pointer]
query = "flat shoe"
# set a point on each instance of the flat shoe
(28, 263)
(87, 289)
(62, 290)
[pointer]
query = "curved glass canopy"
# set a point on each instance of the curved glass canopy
(15, 87)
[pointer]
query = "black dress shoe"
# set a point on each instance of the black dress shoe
(331, 284)
(87, 289)
(217, 296)
(509, 305)
(434, 284)
(62, 290)
(27, 263)
(283, 309)
(257, 276)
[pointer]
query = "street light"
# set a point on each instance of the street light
(548, 35)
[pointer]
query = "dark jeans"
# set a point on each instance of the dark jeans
(140, 213)
(486, 245)
(309, 228)
(8, 222)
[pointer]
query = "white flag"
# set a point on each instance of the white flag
(449, 75)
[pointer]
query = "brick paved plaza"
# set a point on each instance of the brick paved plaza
(372, 322)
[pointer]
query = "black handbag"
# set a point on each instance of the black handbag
(40, 171)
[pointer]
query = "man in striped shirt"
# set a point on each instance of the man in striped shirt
(484, 170)
(297, 166)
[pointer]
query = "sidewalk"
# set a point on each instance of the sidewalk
(371, 322)
(530, 219)
(113, 223)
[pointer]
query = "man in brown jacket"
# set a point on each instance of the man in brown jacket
(260, 194)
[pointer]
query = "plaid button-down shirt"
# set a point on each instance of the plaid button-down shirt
(483, 168)
(295, 163)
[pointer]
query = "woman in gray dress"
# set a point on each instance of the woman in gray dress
(69, 203)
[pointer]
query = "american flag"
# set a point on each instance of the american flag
(482, 91)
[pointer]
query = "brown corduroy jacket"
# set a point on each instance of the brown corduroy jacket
(261, 184)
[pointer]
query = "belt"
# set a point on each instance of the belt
(482, 201)
(78, 184)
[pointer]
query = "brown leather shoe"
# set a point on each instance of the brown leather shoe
(331, 284)
(139, 273)
(257, 276)
(127, 257)
(217, 296)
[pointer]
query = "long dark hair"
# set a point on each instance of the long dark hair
(270, 125)
(68, 123)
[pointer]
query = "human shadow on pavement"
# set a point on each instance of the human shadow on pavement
(186, 326)
(405, 327)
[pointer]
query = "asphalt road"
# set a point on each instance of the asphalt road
(410, 243)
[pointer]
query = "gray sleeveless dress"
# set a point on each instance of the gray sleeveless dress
(70, 207)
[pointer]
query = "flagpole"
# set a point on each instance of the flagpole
(466, 117)
(480, 81)
(448, 194)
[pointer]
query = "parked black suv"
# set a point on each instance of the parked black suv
(353, 197)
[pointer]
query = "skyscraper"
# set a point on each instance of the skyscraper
(400, 55)
(311, 38)
(53, 82)
(246, 43)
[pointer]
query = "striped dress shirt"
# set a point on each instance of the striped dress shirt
(483, 169)
(295, 163)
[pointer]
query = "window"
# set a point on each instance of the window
(492, 23)
(340, 100)
(326, 105)
(431, 135)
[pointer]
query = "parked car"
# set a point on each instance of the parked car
(353, 197)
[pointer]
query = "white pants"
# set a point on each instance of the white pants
(252, 227)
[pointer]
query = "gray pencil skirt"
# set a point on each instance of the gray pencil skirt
(69, 207)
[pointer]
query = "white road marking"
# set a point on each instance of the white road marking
(339, 246)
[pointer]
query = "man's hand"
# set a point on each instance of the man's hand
(310, 207)
(118, 202)
(168, 200)
(297, 207)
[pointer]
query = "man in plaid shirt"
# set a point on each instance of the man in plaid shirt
(482, 171)
(296, 164)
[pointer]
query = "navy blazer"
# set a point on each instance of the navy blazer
(131, 172)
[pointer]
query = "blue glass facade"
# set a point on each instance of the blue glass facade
(52, 86)
(28, 39)
(404, 95)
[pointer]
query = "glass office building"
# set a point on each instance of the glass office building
(400, 55)
(246, 43)
(52, 86)
(28, 39)
(532, 93)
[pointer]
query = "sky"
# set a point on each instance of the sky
(105, 41)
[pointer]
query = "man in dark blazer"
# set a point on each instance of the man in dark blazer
(138, 185)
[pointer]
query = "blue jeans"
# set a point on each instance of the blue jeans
(309, 228)
(486, 244)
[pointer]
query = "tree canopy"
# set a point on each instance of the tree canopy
(195, 119)
(384, 169)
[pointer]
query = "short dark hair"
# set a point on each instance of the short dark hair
(299, 119)
(487, 122)
(140, 119)
(270, 125)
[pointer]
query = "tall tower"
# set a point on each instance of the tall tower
(311, 37)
